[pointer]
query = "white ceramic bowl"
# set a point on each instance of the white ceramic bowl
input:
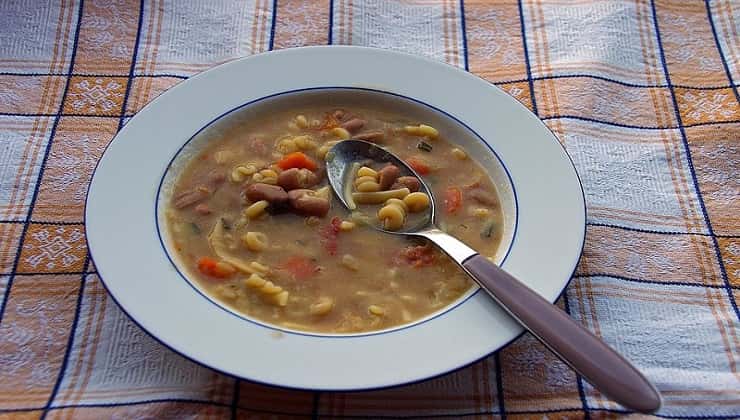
(541, 194)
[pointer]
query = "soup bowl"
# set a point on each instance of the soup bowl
(541, 200)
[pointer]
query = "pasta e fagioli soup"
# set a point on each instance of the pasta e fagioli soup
(251, 221)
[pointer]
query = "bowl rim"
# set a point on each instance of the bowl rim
(368, 50)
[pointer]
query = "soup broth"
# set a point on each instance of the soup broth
(256, 226)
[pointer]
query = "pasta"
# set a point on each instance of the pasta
(255, 241)
(380, 196)
(256, 209)
(392, 216)
(322, 307)
(416, 202)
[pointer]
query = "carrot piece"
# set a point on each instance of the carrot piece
(453, 199)
(297, 160)
(418, 165)
(213, 268)
(301, 268)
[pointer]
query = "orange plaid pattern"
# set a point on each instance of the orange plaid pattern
(643, 94)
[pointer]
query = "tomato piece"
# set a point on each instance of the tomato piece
(302, 268)
(417, 256)
(214, 268)
(452, 199)
(418, 165)
(297, 160)
(330, 235)
(329, 122)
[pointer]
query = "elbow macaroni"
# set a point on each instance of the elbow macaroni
(459, 153)
(340, 133)
(365, 171)
(322, 307)
(255, 241)
(275, 294)
(376, 310)
(392, 216)
(422, 131)
(350, 262)
(416, 201)
(256, 209)
(369, 186)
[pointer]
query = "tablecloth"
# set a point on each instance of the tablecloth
(643, 95)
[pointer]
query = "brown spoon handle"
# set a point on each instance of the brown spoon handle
(588, 355)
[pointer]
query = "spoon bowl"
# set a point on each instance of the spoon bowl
(584, 352)
(346, 155)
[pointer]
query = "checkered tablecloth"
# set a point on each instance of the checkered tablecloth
(643, 94)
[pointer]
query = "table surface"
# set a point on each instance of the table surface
(643, 95)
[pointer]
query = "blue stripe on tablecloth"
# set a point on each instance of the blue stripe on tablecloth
(689, 159)
(274, 412)
(530, 81)
(330, 40)
(550, 117)
(500, 386)
(579, 379)
(464, 35)
(235, 399)
(731, 85)
(45, 158)
(271, 44)
(719, 49)
(133, 65)
(70, 340)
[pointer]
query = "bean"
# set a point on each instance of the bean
(190, 197)
(371, 136)
(210, 184)
(296, 178)
(214, 179)
(387, 176)
(203, 209)
(306, 203)
(483, 197)
(353, 125)
(409, 182)
(271, 193)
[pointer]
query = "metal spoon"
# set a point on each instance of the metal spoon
(584, 352)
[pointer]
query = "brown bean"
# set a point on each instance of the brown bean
(387, 176)
(483, 197)
(409, 182)
(272, 193)
(190, 197)
(306, 203)
(372, 136)
(214, 179)
(296, 178)
(202, 209)
(353, 125)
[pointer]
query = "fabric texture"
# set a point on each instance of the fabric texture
(643, 94)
